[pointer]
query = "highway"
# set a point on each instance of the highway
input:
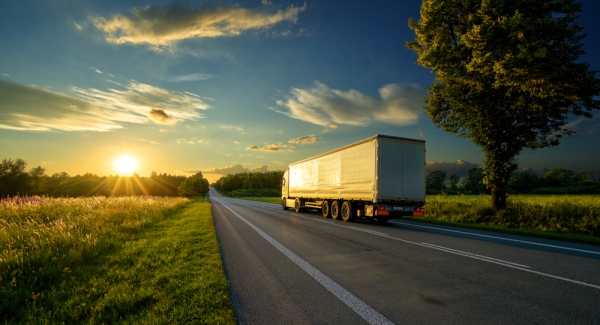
(300, 268)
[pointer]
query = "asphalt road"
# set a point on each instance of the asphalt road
(300, 268)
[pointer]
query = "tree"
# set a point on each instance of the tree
(507, 76)
(193, 185)
(453, 180)
(436, 180)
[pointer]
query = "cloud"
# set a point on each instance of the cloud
(235, 169)
(141, 98)
(159, 116)
(98, 71)
(165, 26)
(190, 77)
(321, 105)
(32, 108)
(585, 125)
(307, 139)
(272, 147)
(231, 127)
(459, 167)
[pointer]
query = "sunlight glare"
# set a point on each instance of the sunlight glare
(126, 165)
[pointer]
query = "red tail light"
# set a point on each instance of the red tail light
(418, 209)
(382, 208)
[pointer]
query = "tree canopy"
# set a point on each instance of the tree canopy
(508, 76)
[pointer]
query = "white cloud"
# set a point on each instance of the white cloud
(272, 147)
(585, 125)
(459, 167)
(231, 127)
(321, 105)
(141, 99)
(92, 109)
(164, 26)
(235, 169)
(307, 139)
(189, 77)
(98, 71)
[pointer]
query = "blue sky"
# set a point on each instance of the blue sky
(208, 86)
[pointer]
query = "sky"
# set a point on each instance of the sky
(224, 87)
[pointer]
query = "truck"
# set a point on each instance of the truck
(378, 178)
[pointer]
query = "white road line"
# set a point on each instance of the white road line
(361, 308)
(501, 238)
(456, 252)
(450, 250)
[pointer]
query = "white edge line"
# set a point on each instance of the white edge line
(361, 308)
(495, 237)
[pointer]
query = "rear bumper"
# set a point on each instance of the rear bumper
(398, 214)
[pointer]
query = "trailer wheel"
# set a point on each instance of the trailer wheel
(325, 209)
(283, 206)
(335, 210)
(347, 211)
(297, 205)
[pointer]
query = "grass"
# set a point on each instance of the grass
(564, 217)
(262, 199)
(111, 260)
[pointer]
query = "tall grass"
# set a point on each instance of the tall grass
(566, 213)
(43, 239)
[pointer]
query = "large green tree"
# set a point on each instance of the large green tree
(508, 76)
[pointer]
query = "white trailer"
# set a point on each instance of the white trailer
(381, 177)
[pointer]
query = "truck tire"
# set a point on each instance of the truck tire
(297, 205)
(283, 206)
(335, 210)
(325, 209)
(346, 211)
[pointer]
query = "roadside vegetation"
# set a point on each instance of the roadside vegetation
(110, 260)
(15, 180)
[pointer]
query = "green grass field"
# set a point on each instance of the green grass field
(111, 260)
(566, 217)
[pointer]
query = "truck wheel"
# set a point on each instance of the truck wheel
(283, 206)
(297, 205)
(335, 210)
(346, 211)
(325, 209)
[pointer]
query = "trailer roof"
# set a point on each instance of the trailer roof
(357, 143)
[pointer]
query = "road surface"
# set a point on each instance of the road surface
(300, 268)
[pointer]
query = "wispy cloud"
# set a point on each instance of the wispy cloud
(307, 139)
(321, 105)
(459, 167)
(144, 99)
(585, 125)
(165, 26)
(272, 147)
(92, 109)
(231, 127)
(189, 77)
(235, 169)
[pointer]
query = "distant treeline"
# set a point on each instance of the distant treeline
(251, 184)
(16, 180)
(555, 181)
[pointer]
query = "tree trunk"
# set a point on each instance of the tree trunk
(499, 197)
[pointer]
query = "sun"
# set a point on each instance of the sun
(126, 165)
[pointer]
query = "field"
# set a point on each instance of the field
(570, 217)
(110, 260)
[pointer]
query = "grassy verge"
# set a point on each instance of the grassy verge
(573, 218)
(164, 268)
(262, 199)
